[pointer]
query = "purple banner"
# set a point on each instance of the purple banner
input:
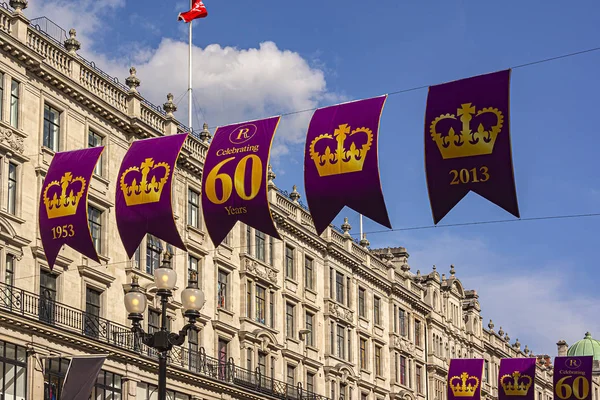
(234, 181)
(340, 162)
(516, 379)
(573, 378)
(143, 200)
(467, 143)
(464, 378)
(63, 203)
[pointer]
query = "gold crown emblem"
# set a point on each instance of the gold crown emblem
(519, 385)
(467, 142)
(144, 192)
(461, 389)
(64, 204)
(341, 160)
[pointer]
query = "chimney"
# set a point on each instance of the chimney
(562, 348)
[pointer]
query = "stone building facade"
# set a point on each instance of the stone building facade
(311, 317)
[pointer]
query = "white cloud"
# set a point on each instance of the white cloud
(230, 84)
(535, 302)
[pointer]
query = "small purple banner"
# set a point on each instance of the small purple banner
(516, 379)
(573, 378)
(234, 181)
(63, 203)
(464, 378)
(467, 143)
(144, 191)
(340, 162)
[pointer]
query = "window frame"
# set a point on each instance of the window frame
(92, 134)
(290, 322)
(14, 111)
(56, 143)
(377, 310)
(13, 188)
(91, 211)
(193, 209)
(290, 253)
(309, 272)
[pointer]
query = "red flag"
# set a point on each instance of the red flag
(198, 11)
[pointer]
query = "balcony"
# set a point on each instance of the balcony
(51, 313)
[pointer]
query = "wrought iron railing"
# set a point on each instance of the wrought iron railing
(45, 309)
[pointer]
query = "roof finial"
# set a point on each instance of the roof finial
(132, 80)
(271, 176)
(587, 335)
(205, 133)
(364, 242)
(295, 196)
(72, 44)
(18, 5)
(169, 106)
(452, 270)
(491, 326)
(517, 344)
(346, 227)
(501, 332)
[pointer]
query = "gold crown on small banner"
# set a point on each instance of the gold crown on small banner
(144, 192)
(516, 384)
(65, 204)
(468, 142)
(462, 389)
(341, 160)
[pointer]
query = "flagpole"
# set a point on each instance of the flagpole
(361, 230)
(190, 72)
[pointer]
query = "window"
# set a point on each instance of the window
(248, 242)
(289, 320)
(249, 299)
(227, 239)
(310, 382)
(108, 386)
(48, 291)
(402, 370)
(341, 341)
(308, 273)
(271, 250)
(153, 250)
(153, 321)
(262, 366)
(192, 337)
(222, 289)
(395, 318)
(419, 379)
(309, 327)
(259, 243)
(13, 371)
(148, 391)
(261, 306)
(362, 308)
(378, 360)
(51, 127)
(403, 322)
(222, 356)
(289, 262)
(364, 396)
(12, 189)
(363, 353)
(272, 309)
(92, 312)
(9, 277)
(291, 375)
(95, 222)
(377, 310)
(14, 104)
(417, 333)
(339, 287)
(192, 265)
(137, 258)
(1, 93)
(486, 371)
(193, 208)
(95, 140)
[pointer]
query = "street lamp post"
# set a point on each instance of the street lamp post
(192, 300)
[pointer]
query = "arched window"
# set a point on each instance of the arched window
(436, 306)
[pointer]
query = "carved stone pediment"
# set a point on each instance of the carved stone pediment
(340, 312)
(260, 271)
(11, 140)
(404, 345)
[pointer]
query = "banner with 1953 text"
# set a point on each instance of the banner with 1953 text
(63, 213)
(234, 182)
(467, 143)
(144, 192)
(516, 379)
(573, 378)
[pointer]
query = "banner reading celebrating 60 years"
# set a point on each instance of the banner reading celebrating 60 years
(143, 199)
(234, 181)
(464, 378)
(573, 378)
(340, 162)
(63, 215)
(467, 143)
(516, 379)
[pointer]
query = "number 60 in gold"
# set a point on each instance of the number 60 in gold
(564, 390)
(238, 180)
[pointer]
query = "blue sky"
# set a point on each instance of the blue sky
(257, 59)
